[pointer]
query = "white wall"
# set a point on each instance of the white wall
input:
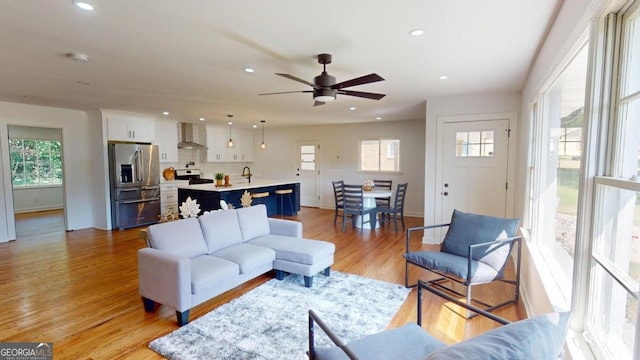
(37, 199)
(79, 179)
(484, 103)
(338, 156)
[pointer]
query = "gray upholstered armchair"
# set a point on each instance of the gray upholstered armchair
(475, 251)
(537, 338)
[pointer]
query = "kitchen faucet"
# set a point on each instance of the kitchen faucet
(247, 172)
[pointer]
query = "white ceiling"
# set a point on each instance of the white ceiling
(187, 56)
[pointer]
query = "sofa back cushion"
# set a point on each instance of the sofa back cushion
(180, 237)
(538, 338)
(220, 229)
(470, 229)
(253, 222)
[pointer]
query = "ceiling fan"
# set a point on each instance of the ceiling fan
(325, 87)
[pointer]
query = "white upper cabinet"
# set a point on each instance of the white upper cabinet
(248, 146)
(167, 140)
(217, 139)
(122, 126)
(216, 143)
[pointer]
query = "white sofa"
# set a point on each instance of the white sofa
(190, 261)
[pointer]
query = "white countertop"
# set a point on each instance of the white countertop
(239, 186)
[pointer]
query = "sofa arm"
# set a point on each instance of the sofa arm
(165, 278)
(285, 227)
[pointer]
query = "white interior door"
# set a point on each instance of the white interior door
(474, 167)
(307, 172)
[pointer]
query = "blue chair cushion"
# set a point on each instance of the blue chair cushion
(407, 342)
(471, 229)
(538, 338)
(453, 265)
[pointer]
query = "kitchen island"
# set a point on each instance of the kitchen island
(209, 195)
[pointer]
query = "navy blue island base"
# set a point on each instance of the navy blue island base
(208, 196)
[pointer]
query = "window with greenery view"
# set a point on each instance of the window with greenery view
(380, 155)
(35, 162)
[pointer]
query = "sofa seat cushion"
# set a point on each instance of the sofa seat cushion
(407, 342)
(207, 271)
(453, 265)
(303, 251)
(253, 221)
(220, 229)
(538, 338)
(247, 256)
(182, 237)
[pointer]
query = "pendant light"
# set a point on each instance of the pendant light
(263, 146)
(230, 144)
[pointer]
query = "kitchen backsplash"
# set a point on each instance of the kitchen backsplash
(234, 170)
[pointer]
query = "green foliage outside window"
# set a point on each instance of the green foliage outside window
(35, 162)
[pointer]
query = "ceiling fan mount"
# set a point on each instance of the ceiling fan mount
(325, 87)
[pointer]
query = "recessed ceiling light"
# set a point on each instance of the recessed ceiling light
(378, 118)
(444, 77)
(416, 32)
(201, 119)
(83, 5)
(249, 70)
(352, 108)
(254, 126)
(165, 113)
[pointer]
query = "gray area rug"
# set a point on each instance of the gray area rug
(271, 321)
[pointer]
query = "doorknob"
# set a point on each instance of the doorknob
(446, 193)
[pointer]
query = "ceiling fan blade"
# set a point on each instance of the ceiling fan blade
(362, 94)
(318, 103)
(288, 92)
(358, 81)
(291, 77)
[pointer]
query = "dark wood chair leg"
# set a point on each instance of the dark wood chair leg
(182, 317)
(149, 305)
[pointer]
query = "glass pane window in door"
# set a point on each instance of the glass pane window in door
(474, 143)
(307, 157)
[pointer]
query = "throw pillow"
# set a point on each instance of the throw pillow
(470, 229)
(538, 338)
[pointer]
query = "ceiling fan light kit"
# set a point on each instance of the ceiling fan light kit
(325, 87)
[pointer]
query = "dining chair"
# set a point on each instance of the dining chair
(397, 209)
(384, 185)
(337, 195)
(353, 204)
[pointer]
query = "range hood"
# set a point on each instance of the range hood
(186, 142)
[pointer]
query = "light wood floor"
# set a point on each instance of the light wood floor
(79, 289)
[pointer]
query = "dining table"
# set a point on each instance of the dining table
(369, 201)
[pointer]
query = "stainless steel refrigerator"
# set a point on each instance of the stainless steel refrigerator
(134, 175)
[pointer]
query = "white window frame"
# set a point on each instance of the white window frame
(381, 154)
(601, 143)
